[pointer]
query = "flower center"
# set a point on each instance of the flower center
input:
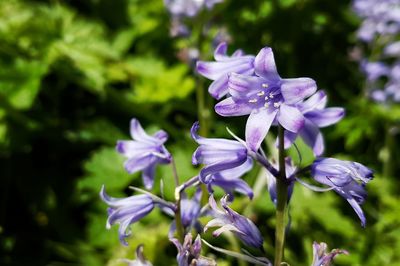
(266, 96)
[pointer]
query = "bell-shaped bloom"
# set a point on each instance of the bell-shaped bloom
(144, 152)
(126, 211)
(271, 180)
(265, 97)
(346, 178)
(218, 71)
(189, 252)
(315, 116)
(225, 162)
(229, 220)
(140, 259)
(323, 258)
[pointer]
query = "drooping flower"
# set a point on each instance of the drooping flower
(346, 178)
(140, 259)
(229, 220)
(315, 116)
(144, 152)
(323, 258)
(218, 71)
(189, 252)
(225, 162)
(126, 211)
(265, 97)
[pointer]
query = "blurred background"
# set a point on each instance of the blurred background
(73, 74)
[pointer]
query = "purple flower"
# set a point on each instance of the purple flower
(144, 152)
(265, 97)
(189, 252)
(126, 211)
(346, 178)
(218, 71)
(229, 220)
(140, 259)
(225, 161)
(321, 257)
(315, 116)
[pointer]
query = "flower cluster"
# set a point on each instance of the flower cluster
(244, 85)
(381, 28)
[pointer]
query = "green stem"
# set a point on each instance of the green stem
(178, 217)
(281, 205)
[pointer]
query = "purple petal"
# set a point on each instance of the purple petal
(290, 118)
(312, 137)
(208, 170)
(295, 90)
(317, 101)
(242, 86)
(220, 51)
(135, 164)
(264, 64)
(228, 107)
(258, 125)
(148, 176)
(219, 87)
(215, 70)
(358, 210)
(137, 132)
(325, 117)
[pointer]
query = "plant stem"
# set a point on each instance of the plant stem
(281, 205)
(178, 217)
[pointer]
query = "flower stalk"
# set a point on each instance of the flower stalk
(282, 192)
(178, 217)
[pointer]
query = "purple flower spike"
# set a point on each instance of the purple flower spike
(229, 220)
(189, 252)
(126, 211)
(144, 152)
(188, 8)
(321, 257)
(346, 178)
(316, 116)
(265, 97)
(225, 162)
(218, 71)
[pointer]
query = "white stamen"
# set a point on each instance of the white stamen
(276, 105)
(266, 98)
(271, 95)
(266, 105)
(253, 101)
(264, 85)
(261, 93)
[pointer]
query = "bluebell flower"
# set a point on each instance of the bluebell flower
(346, 178)
(218, 71)
(144, 152)
(189, 252)
(126, 211)
(323, 258)
(265, 97)
(225, 162)
(229, 220)
(140, 259)
(315, 116)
